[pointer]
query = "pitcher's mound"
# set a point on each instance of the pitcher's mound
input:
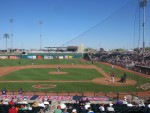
(58, 72)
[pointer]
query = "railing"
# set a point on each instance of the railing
(111, 95)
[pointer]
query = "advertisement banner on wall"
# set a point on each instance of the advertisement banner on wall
(31, 57)
(48, 57)
(39, 57)
(61, 57)
(13, 57)
(70, 56)
(66, 56)
(3, 57)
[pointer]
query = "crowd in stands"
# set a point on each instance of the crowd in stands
(85, 106)
(129, 60)
(18, 105)
(78, 104)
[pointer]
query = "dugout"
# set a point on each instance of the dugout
(143, 69)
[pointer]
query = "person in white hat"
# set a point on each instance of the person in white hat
(46, 102)
(74, 111)
(62, 105)
(110, 108)
(125, 100)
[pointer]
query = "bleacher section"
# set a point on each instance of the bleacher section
(75, 102)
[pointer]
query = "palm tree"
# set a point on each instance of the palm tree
(6, 36)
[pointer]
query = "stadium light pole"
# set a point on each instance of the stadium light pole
(0, 42)
(6, 36)
(11, 34)
(143, 4)
(139, 28)
(40, 23)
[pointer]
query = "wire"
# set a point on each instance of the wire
(96, 24)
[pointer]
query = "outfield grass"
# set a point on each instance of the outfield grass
(43, 74)
(15, 62)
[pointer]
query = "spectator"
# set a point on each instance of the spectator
(63, 106)
(35, 104)
(58, 110)
(22, 107)
(20, 91)
(125, 100)
(148, 106)
(65, 110)
(46, 102)
(89, 110)
(110, 108)
(81, 102)
(41, 104)
(87, 105)
(29, 107)
(4, 91)
(101, 108)
(12, 110)
(141, 104)
(74, 111)
(5, 102)
(24, 101)
(11, 102)
(87, 100)
(17, 108)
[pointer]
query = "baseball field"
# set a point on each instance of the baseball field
(74, 75)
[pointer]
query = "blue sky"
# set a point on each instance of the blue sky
(103, 23)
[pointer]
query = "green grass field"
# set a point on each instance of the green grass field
(73, 74)
(15, 62)
(43, 74)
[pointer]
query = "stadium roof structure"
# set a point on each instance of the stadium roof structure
(62, 49)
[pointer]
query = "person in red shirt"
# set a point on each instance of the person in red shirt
(11, 103)
(12, 110)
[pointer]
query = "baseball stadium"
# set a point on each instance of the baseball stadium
(75, 77)
(66, 75)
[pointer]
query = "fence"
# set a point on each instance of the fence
(111, 95)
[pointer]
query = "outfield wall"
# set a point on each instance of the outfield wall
(44, 56)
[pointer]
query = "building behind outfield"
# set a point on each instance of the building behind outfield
(48, 53)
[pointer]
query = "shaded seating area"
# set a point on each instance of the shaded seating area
(80, 109)
(118, 108)
(5, 108)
